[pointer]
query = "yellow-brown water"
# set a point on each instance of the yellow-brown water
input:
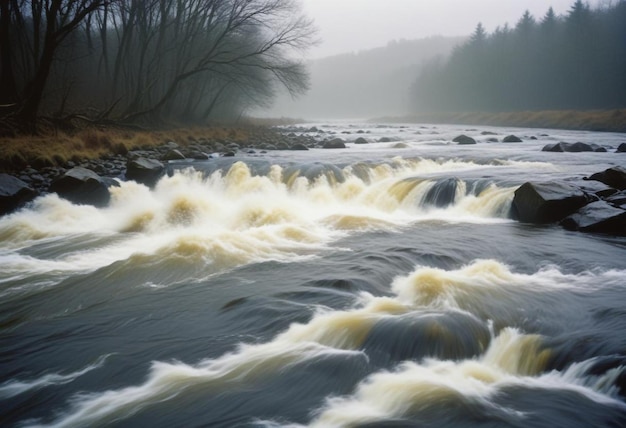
(356, 288)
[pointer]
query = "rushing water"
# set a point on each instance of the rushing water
(379, 285)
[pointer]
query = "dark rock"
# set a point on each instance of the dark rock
(617, 199)
(575, 147)
(144, 171)
(282, 146)
(400, 146)
(83, 186)
(598, 217)
(335, 143)
(361, 140)
(387, 140)
(614, 177)
(533, 138)
(621, 148)
(464, 139)
(14, 193)
(299, 146)
(228, 154)
(443, 193)
(173, 154)
(488, 133)
(546, 202)
(511, 139)
(492, 140)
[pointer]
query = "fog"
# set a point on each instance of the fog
(370, 53)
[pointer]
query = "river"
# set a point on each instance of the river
(381, 285)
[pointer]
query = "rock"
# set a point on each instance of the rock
(488, 133)
(617, 199)
(614, 177)
(464, 139)
(546, 202)
(361, 140)
(228, 154)
(281, 145)
(14, 193)
(511, 139)
(174, 154)
(171, 145)
(575, 147)
(621, 148)
(299, 146)
(83, 186)
(144, 171)
(598, 217)
(335, 143)
(387, 140)
(443, 193)
(400, 146)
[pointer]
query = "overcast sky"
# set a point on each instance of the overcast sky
(353, 25)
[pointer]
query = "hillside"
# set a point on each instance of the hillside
(366, 83)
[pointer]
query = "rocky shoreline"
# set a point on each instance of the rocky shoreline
(88, 181)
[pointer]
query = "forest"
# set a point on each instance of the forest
(576, 61)
(152, 61)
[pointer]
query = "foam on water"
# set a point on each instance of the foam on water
(511, 358)
(231, 219)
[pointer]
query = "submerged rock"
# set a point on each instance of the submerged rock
(572, 147)
(335, 143)
(614, 177)
(83, 186)
(144, 171)
(598, 217)
(621, 148)
(546, 202)
(14, 193)
(443, 193)
(511, 139)
(464, 139)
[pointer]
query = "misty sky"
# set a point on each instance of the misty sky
(353, 25)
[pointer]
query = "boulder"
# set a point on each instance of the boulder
(598, 217)
(14, 193)
(617, 199)
(621, 148)
(400, 146)
(361, 140)
(335, 143)
(82, 186)
(614, 177)
(144, 171)
(387, 139)
(464, 139)
(511, 139)
(443, 193)
(572, 147)
(541, 203)
(299, 146)
(173, 154)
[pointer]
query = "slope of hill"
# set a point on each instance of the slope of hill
(364, 84)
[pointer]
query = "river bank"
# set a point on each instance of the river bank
(594, 120)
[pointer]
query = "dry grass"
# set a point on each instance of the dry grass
(593, 120)
(56, 148)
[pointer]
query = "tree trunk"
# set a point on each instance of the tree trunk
(8, 90)
(27, 114)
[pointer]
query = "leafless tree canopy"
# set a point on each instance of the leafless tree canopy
(149, 60)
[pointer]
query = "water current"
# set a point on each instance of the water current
(381, 285)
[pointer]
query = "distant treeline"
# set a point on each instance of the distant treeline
(575, 61)
(147, 61)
